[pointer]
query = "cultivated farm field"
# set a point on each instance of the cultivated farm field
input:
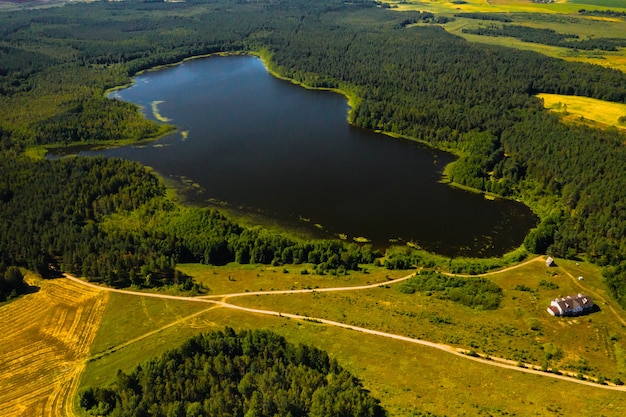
(45, 339)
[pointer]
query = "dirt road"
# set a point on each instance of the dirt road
(492, 361)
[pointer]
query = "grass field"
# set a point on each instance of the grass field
(44, 340)
(561, 16)
(406, 378)
(520, 330)
(242, 278)
(49, 337)
(135, 329)
(586, 110)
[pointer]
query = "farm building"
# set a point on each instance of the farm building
(571, 306)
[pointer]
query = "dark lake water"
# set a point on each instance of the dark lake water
(266, 145)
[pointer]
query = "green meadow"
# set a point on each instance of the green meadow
(408, 379)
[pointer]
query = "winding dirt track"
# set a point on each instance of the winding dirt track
(492, 361)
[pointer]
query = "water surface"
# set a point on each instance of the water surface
(264, 144)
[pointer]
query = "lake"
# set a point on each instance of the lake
(266, 146)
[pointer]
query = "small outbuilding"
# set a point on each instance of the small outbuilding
(549, 261)
(571, 305)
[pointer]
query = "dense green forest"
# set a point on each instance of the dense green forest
(250, 373)
(418, 81)
(57, 221)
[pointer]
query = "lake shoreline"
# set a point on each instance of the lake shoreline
(352, 99)
(334, 228)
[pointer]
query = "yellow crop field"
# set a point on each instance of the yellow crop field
(488, 6)
(44, 340)
(583, 109)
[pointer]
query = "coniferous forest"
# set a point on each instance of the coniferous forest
(250, 373)
(419, 81)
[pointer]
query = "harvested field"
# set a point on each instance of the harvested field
(44, 340)
(586, 110)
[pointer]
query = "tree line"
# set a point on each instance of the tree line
(608, 12)
(497, 17)
(549, 37)
(235, 374)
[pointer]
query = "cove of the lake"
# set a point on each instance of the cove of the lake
(256, 142)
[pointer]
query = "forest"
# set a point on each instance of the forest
(252, 373)
(413, 80)
(56, 223)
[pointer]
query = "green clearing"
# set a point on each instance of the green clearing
(235, 278)
(585, 110)
(131, 319)
(147, 314)
(406, 378)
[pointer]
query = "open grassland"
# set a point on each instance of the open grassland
(136, 328)
(47, 338)
(44, 341)
(506, 6)
(585, 27)
(408, 378)
(586, 110)
(235, 278)
(520, 330)
(404, 376)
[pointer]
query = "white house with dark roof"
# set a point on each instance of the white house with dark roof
(571, 306)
